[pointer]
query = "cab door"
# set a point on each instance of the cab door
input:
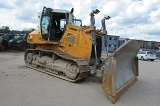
(45, 23)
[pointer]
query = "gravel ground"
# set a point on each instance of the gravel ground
(21, 86)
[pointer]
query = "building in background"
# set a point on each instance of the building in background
(149, 45)
(121, 41)
(110, 43)
(145, 45)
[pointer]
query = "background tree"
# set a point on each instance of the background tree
(5, 29)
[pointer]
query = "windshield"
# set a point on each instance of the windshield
(77, 22)
(45, 24)
(150, 53)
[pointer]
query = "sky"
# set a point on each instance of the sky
(134, 19)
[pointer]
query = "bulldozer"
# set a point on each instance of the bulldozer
(71, 51)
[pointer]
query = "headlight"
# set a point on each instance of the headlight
(30, 36)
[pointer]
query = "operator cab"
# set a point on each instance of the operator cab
(53, 23)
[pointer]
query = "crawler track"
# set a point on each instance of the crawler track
(84, 68)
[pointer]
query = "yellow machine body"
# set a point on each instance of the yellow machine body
(76, 41)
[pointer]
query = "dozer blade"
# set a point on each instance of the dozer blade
(120, 70)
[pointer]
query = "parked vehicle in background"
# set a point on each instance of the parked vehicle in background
(18, 42)
(21, 43)
(146, 55)
(12, 41)
(158, 55)
(4, 41)
(152, 50)
(0, 40)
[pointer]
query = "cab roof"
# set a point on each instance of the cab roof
(59, 10)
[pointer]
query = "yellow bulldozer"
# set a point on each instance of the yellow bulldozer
(70, 51)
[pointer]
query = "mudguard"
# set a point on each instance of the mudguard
(120, 70)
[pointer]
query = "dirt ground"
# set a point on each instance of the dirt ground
(21, 86)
